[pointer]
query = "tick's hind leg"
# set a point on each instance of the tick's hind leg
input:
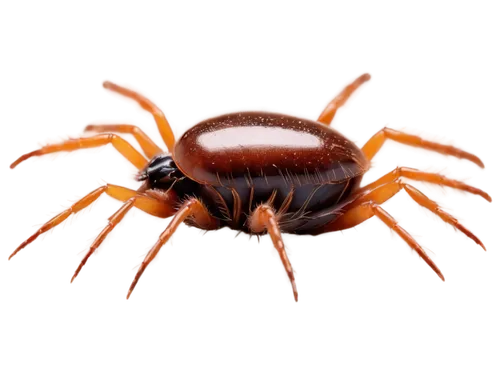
(417, 183)
(148, 105)
(329, 112)
(192, 210)
(263, 219)
(411, 240)
(70, 213)
(375, 143)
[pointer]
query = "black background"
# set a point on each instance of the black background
(363, 266)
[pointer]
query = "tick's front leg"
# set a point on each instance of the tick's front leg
(95, 245)
(193, 209)
(118, 192)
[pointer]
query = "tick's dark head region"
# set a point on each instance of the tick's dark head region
(160, 170)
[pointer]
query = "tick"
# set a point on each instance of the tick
(257, 172)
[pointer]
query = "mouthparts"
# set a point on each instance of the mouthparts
(142, 175)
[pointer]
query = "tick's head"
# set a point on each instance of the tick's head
(160, 170)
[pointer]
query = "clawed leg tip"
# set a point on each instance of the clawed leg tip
(442, 278)
(295, 295)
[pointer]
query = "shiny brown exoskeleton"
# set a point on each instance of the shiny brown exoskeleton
(259, 173)
(301, 168)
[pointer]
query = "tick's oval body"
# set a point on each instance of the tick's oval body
(252, 157)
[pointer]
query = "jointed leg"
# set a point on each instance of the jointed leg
(328, 113)
(431, 179)
(104, 234)
(375, 143)
(415, 182)
(264, 219)
(148, 105)
(117, 192)
(147, 145)
(359, 213)
(410, 239)
(385, 187)
(193, 210)
(122, 146)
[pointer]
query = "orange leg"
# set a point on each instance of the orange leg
(328, 113)
(122, 146)
(148, 105)
(417, 183)
(147, 145)
(192, 210)
(410, 239)
(264, 219)
(105, 233)
(356, 215)
(120, 193)
(375, 143)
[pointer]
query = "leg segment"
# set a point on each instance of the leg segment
(264, 219)
(328, 113)
(192, 209)
(375, 143)
(359, 213)
(122, 146)
(148, 105)
(417, 183)
(388, 220)
(147, 145)
(117, 192)
(104, 234)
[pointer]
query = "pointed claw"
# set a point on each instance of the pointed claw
(134, 282)
(85, 258)
(73, 277)
(129, 293)
(295, 293)
(24, 244)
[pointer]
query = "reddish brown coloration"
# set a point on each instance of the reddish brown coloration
(260, 173)
(301, 151)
